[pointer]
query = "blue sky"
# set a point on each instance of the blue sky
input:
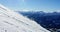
(34, 5)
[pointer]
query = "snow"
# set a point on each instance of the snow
(11, 21)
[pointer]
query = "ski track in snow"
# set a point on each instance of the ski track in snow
(11, 21)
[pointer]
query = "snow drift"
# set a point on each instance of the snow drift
(11, 21)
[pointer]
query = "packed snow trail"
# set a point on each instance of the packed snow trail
(11, 21)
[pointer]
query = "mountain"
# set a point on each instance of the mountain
(46, 20)
(11, 21)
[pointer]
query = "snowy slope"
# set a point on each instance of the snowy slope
(11, 21)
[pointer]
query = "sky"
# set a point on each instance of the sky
(32, 5)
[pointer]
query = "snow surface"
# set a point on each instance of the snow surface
(11, 21)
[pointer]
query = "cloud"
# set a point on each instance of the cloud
(57, 10)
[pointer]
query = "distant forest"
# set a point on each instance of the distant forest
(46, 20)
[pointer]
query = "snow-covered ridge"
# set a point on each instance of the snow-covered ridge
(11, 21)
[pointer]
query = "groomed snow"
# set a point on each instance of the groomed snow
(11, 21)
